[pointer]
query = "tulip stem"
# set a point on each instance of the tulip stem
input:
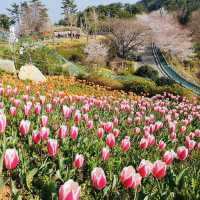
(135, 196)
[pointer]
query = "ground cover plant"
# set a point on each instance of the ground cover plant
(60, 146)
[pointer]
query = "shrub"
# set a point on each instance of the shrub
(147, 72)
(139, 86)
(105, 81)
(164, 81)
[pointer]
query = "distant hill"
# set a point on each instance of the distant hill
(187, 5)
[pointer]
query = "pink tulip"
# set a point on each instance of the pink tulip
(52, 147)
(62, 132)
(36, 137)
(116, 132)
(37, 108)
(105, 153)
(125, 144)
(145, 167)
(98, 178)
(100, 133)
(90, 124)
(115, 121)
(24, 127)
(129, 120)
(182, 153)
(129, 178)
(44, 121)
(27, 108)
(198, 146)
(159, 169)
(108, 127)
(49, 108)
(144, 143)
(136, 131)
(70, 190)
(183, 129)
(11, 159)
(1, 105)
(138, 120)
(42, 99)
(168, 157)
(173, 136)
(172, 127)
(66, 111)
(44, 133)
(162, 145)
(16, 102)
(13, 111)
(151, 140)
(190, 144)
(77, 117)
(74, 132)
(2, 123)
(110, 140)
(79, 160)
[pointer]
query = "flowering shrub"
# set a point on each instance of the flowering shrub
(60, 146)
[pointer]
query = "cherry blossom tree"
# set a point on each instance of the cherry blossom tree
(169, 34)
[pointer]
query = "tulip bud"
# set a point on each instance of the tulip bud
(2, 123)
(24, 127)
(182, 153)
(11, 159)
(13, 111)
(37, 108)
(125, 144)
(100, 133)
(105, 154)
(90, 124)
(110, 140)
(136, 131)
(108, 127)
(74, 132)
(116, 132)
(159, 169)
(44, 121)
(190, 144)
(129, 178)
(162, 145)
(66, 112)
(62, 132)
(144, 143)
(144, 168)
(98, 178)
(44, 133)
(52, 147)
(49, 108)
(168, 157)
(36, 137)
(70, 190)
(79, 160)
(77, 117)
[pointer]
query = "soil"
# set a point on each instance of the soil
(5, 193)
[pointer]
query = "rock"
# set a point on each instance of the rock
(30, 72)
(7, 66)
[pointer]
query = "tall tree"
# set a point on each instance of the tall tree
(4, 22)
(69, 8)
(34, 18)
(14, 12)
(128, 35)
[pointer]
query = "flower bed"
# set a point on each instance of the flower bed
(58, 145)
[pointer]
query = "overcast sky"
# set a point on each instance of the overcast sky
(54, 5)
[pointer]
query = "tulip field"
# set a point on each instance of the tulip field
(60, 146)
